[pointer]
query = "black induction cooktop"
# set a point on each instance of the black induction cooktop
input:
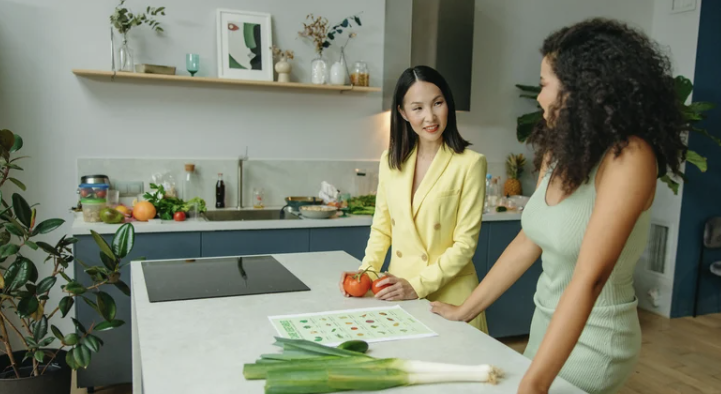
(175, 280)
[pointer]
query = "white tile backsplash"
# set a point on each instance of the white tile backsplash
(278, 178)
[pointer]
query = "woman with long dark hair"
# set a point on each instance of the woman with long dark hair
(612, 125)
(430, 198)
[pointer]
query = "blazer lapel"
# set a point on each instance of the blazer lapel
(438, 166)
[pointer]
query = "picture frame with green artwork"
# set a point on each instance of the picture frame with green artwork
(244, 45)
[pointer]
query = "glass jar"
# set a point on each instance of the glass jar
(319, 70)
(360, 76)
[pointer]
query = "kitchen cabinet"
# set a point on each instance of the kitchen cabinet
(112, 365)
(511, 314)
(252, 242)
(352, 240)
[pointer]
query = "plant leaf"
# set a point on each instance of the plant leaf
(19, 184)
(673, 185)
(32, 245)
(9, 250)
(2, 281)
(70, 359)
(22, 209)
(684, 87)
(18, 274)
(701, 106)
(121, 286)
(82, 356)
(14, 229)
(48, 248)
(46, 284)
(47, 341)
(48, 226)
(529, 88)
(79, 325)
(707, 134)
(108, 262)
(7, 139)
(697, 160)
(71, 339)
(40, 329)
(65, 304)
(75, 288)
(91, 304)
(27, 306)
(40, 356)
(17, 145)
(106, 304)
(108, 325)
(526, 124)
(91, 343)
(123, 240)
(56, 331)
(357, 20)
(104, 247)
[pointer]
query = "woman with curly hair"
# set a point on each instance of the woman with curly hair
(611, 126)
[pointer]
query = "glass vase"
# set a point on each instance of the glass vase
(319, 70)
(125, 57)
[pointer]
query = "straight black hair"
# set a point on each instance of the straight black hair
(403, 138)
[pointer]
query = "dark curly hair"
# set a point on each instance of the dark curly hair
(615, 83)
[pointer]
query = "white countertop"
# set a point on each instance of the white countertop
(80, 227)
(199, 346)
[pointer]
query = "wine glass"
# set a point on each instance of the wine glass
(192, 63)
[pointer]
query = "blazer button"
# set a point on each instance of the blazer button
(424, 257)
(393, 222)
(437, 226)
(399, 254)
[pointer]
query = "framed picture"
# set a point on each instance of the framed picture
(244, 45)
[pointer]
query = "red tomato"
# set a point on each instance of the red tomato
(377, 288)
(357, 286)
(179, 216)
(101, 193)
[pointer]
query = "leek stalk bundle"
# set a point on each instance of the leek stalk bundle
(306, 367)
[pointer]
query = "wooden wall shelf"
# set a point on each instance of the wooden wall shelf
(125, 76)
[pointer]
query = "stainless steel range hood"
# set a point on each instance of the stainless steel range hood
(435, 33)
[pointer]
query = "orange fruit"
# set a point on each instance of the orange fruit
(143, 211)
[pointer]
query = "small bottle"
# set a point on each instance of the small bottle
(258, 199)
(494, 194)
(220, 192)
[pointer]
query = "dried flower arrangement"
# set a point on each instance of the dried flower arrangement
(317, 30)
(280, 54)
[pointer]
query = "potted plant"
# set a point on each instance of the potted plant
(123, 20)
(36, 356)
(693, 113)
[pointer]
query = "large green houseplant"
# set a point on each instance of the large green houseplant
(693, 113)
(25, 295)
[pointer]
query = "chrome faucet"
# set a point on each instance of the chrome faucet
(241, 159)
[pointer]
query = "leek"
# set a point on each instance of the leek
(309, 368)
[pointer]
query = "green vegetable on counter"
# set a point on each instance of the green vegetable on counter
(362, 205)
(307, 367)
(356, 346)
(168, 206)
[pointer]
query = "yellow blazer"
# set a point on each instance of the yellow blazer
(433, 235)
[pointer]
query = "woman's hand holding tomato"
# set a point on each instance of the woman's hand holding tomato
(393, 288)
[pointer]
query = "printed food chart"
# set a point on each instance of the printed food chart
(368, 324)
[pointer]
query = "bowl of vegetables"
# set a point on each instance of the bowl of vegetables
(318, 211)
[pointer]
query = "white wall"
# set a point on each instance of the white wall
(678, 34)
(62, 117)
(508, 36)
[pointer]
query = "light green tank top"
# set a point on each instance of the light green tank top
(608, 348)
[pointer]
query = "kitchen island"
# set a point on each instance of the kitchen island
(200, 345)
(510, 315)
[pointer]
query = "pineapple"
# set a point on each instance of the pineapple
(514, 169)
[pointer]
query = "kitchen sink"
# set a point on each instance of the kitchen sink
(243, 215)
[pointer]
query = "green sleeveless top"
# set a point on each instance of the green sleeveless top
(608, 348)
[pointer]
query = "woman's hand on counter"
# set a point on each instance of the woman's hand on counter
(399, 289)
(447, 311)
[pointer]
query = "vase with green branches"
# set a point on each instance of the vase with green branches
(40, 347)
(693, 113)
(123, 19)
